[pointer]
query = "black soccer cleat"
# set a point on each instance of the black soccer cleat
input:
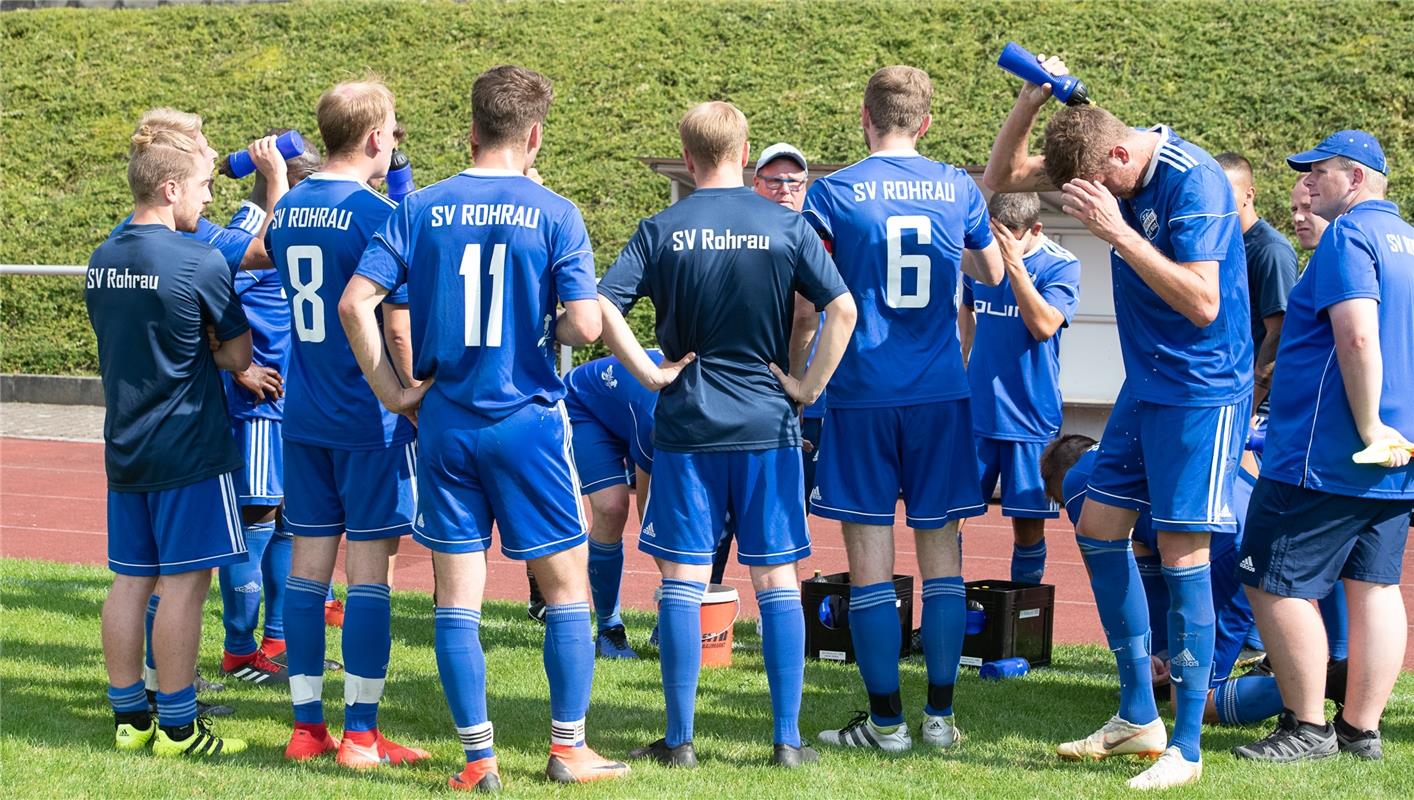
(789, 757)
(683, 755)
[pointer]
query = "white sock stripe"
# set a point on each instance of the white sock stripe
(570, 733)
(293, 584)
(862, 603)
(358, 689)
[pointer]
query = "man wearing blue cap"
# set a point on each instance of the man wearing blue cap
(1337, 488)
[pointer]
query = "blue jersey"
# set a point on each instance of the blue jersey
(230, 242)
(268, 309)
(486, 256)
(1367, 252)
(1184, 207)
(898, 223)
(610, 393)
(1015, 379)
(150, 293)
(722, 267)
(317, 234)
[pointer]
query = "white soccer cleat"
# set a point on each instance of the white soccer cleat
(861, 732)
(1117, 738)
(1171, 770)
(940, 732)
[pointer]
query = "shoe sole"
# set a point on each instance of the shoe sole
(877, 749)
(1146, 755)
(556, 770)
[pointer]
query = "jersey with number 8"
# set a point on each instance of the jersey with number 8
(898, 223)
(317, 234)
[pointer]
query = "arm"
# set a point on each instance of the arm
(397, 334)
(233, 355)
(802, 334)
(1356, 326)
(579, 323)
(273, 177)
(966, 331)
(1011, 167)
(619, 338)
(358, 310)
(840, 316)
(1266, 359)
(985, 265)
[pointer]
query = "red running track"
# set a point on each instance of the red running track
(52, 506)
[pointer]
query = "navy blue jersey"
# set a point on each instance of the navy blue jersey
(1015, 379)
(268, 310)
(1271, 272)
(1185, 209)
(317, 234)
(722, 267)
(1367, 252)
(486, 257)
(231, 242)
(150, 293)
(898, 223)
(610, 393)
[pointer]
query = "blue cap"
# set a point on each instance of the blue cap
(1357, 146)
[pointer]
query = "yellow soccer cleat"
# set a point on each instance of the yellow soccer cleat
(129, 736)
(199, 744)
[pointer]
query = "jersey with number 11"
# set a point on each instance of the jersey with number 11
(317, 233)
(897, 224)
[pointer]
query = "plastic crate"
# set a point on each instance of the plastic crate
(826, 600)
(1018, 623)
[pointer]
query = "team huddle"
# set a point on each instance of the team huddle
(387, 367)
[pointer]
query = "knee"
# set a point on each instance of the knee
(610, 515)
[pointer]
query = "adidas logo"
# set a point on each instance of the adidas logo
(1247, 564)
(648, 529)
(815, 495)
(249, 587)
(420, 522)
(1185, 659)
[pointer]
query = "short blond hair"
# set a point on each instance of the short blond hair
(898, 99)
(349, 111)
(1078, 140)
(713, 132)
(168, 119)
(506, 102)
(158, 155)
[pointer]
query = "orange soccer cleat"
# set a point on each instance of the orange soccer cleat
(570, 764)
(362, 749)
(481, 775)
(310, 741)
(334, 613)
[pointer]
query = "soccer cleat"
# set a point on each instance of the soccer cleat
(681, 756)
(535, 609)
(481, 775)
(862, 732)
(1248, 657)
(940, 732)
(1117, 738)
(273, 649)
(1358, 743)
(1171, 770)
(203, 685)
(363, 749)
(307, 743)
(569, 764)
(130, 732)
(330, 665)
(195, 739)
(613, 643)
(1291, 741)
(334, 613)
(787, 757)
(254, 668)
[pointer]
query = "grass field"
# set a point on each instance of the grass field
(55, 732)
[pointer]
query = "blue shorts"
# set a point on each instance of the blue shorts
(1175, 462)
(869, 455)
(693, 495)
(517, 472)
(368, 494)
(1018, 466)
(171, 531)
(603, 459)
(1298, 542)
(262, 482)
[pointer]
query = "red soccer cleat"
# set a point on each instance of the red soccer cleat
(334, 613)
(581, 765)
(272, 648)
(310, 741)
(363, 749)
(481, 775)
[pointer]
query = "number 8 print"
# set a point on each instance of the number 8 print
(306, 293)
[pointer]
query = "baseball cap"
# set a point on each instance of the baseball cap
(781, 150)
(1357, 146)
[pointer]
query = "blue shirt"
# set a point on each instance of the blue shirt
(317, 234)
(231, 242)
(614, 398)
(1185, 209)
(722, 267)
(268, 309)
(486, 256)
(1015, 379)
(1271, 272)
(1366, 252)
(150, 292)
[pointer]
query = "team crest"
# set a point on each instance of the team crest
(607, 376)
(1150, 221)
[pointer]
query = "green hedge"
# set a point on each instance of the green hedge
(1263, 78)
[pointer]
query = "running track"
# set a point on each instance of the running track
(52, 507)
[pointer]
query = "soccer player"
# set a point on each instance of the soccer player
(899, 415)
(1177, 429)
(349, 464)
(1014, 369)
(1346, 386)
(486, 258)
(150, 293)
(722, 267)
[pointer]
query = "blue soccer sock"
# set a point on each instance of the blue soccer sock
(1119, 597)
(241, 585)
(1248, 699)
(1156, 595)
(1028, 564)
(367, 642)
(569, 666)
(874, 631)
(1337, 622)
(944, 623)
(606, 569)
(1191, 630)
(680, 654)
(783, 646)
(461, 664)
(149, 666)
(276, 571)
(177, 709)
(304, 627)
(127, 699)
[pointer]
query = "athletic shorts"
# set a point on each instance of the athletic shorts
(1175, 462)
(1018, 466)
(604, 459)
(367, 494)
(262, 482)
(172, 531)
(693, 495)
(517, 473)
(1298, 542)
(869, 455)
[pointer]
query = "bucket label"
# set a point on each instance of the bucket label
(832, 655)
(970, 661)
(1029, 613)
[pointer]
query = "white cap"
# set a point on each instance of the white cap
(781, 150)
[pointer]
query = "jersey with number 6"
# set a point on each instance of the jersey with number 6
(486, 257)
(898, 223)
(317, 234)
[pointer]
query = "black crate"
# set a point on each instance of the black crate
(1019, 621)
(833, 643)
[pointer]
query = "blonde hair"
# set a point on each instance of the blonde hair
(1078, 140)
(349, 111)
(713, 133)
(898, 99)
(158, 155)
(168, 119)
(506, 101)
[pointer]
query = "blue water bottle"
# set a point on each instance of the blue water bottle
(400, 183)
(1257, 438)
(1013, 667)
(1023, 64)
(239, 164)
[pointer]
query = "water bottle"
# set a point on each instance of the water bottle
(1257, 439)
(1023, 64)
(400, 183)
(239, 164)
(1013, 667)
(976, 618)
